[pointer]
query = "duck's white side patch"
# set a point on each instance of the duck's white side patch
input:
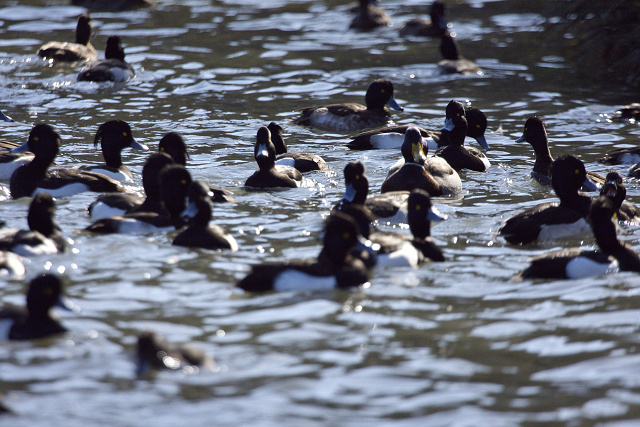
(133, 226)
(581, 267)
(5, 327)
(7, 169)
(67, 190)
(406, 256)
(387, 140)
(294, 280)
(629, 158)
(286, 161)
(120, 74)
(102, 210)
(485, 160)
(46, 247)
(400, 217)
(558, 231)
(118, 176)
(13, 265)
(232, 243)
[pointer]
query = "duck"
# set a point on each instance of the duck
(81, 50)
(36, 177)
(34, 321)
(174, 184)
(111, 69)
(5, 118)
(153, 352)
(536, 135)
(304, 162)
(267, 176)
(11, 265)
(630, 113)
(390, 206)
(114, 136)
(615, 190)
(173, 144)
(577, 263)
(369, 16)
(199, 233)
(434, 27)
(351, 117)
(456, 154)
(398, 249)
(551, 220)
(10, 161)
(453, 62)
(433, 175)
(392, 137)
(113, 5)
(335, 267)
(42, 237)
(115, 204)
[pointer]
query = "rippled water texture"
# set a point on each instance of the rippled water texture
(453, 343)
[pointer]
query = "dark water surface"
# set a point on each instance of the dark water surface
(453, 343)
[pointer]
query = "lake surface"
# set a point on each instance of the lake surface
(453, 343)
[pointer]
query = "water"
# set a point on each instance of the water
(453, 343)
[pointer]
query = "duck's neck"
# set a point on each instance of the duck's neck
(112, 158)
(577, 202)
(543, 161)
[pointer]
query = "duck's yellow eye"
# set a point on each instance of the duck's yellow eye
(124, 134)
(184, 182)
(458, 115)
(478, 126)
(418, 207)
(619, 180)
(36, 138)
(357, 177)
(382, 91)
(162, 149)
(577, 171)
(346, 235)
(48, 291)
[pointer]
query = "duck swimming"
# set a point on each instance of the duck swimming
(44, 142)
(350, 117)
(536, 135)
(453, 62)
(43, 235)
(392, 137)
(455, 153)
(551, 220)
(268, 176)
(575, 263)
(111, 69)
(199, 233)
(114, 136)
(34, 320)
(369, 16)
(433, 175)
(434, 27)
(81, 50)
(335, 267)
(304, 162)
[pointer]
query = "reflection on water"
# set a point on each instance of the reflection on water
(449, 343)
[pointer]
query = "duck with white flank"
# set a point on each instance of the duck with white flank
(44, 142)
(576, 263)
(551, 220)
